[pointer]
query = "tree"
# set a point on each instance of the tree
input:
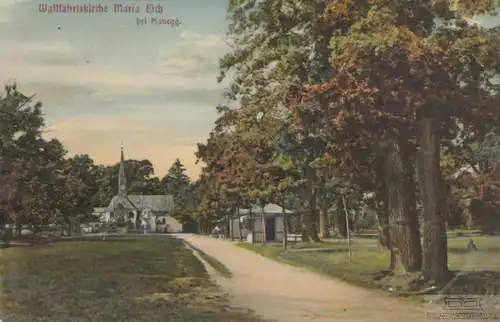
(21, 146)
(177, 184)
(75, 187)
(278, 44)
(398, 86)
(402, 81)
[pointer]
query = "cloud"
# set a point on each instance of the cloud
(185, 70)
(45, 54)
(195, 55)
(106, 80)
(53, 93)
(159, 112)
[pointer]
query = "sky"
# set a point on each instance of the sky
(104, 80)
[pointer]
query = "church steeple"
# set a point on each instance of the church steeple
(122, 179)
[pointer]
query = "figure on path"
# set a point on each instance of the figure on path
(144, 226)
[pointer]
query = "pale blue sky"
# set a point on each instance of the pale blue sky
(104, 80)
(152, 87)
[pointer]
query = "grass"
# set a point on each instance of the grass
(129, 278)
(368, 260)
(212, 261)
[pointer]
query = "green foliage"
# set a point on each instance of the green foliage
(177, 183)
(320, 94)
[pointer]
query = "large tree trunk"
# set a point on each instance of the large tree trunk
(433, 195)
(323, 216)
(403, 217)
(303, 217)
(383, 221)
(285, 226)
(323, 220)
(309, 218)
(313, 223)
(340, 220)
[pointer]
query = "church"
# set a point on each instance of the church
(133, 209)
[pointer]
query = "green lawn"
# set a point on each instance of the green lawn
(120, 279)
(331, 258)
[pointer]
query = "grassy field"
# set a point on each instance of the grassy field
(119, 279)
(368, 260)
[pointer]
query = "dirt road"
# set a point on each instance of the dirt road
(284, 293)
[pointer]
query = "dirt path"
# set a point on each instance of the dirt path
(284, 293)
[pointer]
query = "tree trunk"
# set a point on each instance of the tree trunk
(403, 217)
(252, 224)
(323, 221)
(240, 228)
(433, 196)
(231, 227)
(309, 219)
(383, 223)
(340, 222)
(204, 223)
(227, 233)
(313, 224)
(19, 226)
(323, 216)
(203, 227)
(303, 219)
(303, 225)
(263, 225)
(285, 226)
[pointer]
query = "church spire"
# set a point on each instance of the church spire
(122, 179)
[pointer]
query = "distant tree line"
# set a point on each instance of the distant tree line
(41, 185)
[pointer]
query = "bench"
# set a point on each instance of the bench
(294, 237)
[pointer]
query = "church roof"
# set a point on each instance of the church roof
(153, 202)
